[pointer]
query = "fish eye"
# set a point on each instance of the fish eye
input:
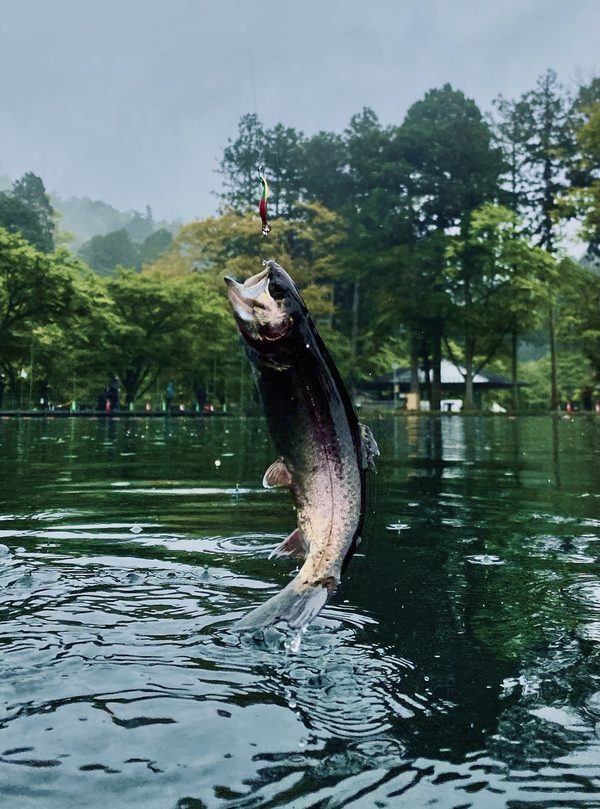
(277, 290)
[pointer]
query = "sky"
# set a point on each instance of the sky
(133, 101)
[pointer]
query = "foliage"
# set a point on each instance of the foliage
(436, 235)
(86, 218)
(117, 249)
(37, 291)
(582, 198)
(27, 210)
(545, 140)
(449, 146)
(579, 320)
(573, 376)
(105, 253)
(148, 329)
(498, 283)
(154, 246)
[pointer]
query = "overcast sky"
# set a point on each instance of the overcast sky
(132, 101)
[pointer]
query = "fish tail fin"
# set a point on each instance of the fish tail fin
(293, 606)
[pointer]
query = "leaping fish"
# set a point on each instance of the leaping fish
(324, 452)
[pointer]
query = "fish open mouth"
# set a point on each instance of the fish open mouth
(244, 297)
(260, 317)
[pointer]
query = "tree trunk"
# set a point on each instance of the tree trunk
(130, 383)
(355, 304)
(554, 400)
(436, 387)
(469, 404)
(515, 369)
(414, 363)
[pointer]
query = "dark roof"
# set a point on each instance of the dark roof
(453, 376)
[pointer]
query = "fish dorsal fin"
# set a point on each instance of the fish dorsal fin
(295, 546)
(277, 475)
(369, 447)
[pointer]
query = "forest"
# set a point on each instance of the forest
(438, 237)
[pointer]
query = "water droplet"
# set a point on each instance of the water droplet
(135, 529)
(217, 463)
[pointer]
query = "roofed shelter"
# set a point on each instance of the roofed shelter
(396, 385)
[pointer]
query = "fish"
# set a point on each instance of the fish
(324, 452)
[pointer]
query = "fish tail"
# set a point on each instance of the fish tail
(293, 606)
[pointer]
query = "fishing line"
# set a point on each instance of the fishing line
(258, 143)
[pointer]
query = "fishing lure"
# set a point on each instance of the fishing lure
(262, 205)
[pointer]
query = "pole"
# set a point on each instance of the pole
(31, 373)
(554, 400)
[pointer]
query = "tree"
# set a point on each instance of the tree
(105, 253)
(498, 282)
(27, 210)
(144, 327)
(582, 198)
(454, 169)
(232, 244)
(140, 227)
(413, 299)
(17, 217)
(30, 190)
(546, 144)
(240, 162)
(511, 132)
(578, 307)
(282, 159)
(324, 170)
(279, 151)
(153, 246)
(37, 291)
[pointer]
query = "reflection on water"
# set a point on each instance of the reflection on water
(456, 666)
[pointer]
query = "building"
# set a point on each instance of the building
(395, 386)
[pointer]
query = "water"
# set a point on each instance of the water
(457, 665)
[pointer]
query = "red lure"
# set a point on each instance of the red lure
(262, 207)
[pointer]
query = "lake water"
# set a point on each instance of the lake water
(456, 666)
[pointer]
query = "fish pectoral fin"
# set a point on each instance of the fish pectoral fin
(370, 450)
(277, 475)
(294, 546)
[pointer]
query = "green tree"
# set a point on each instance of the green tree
(324, 171)
(240, 162)
(282, 159)
(498, 282)
(105, 253)
(37, 292)
(279, 151)
(30, 190)
(578, 308)
(27, 210)
(154, 246)
(454, 169)
(582, 198)
(144, 327)
(511, 131)
(546, 144)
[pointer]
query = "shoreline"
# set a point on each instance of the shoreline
(369, 413)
